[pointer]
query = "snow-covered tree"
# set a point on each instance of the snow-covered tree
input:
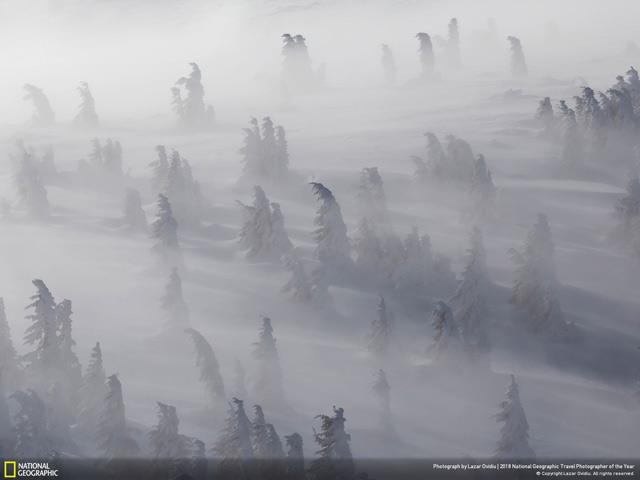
(334, 460)
(332, 243)
(70, 369)
(160, 169)
(533, 290)
(256, 232)
(298, 285)
(437, 163)
(86, 116)
(175, 308)
(425, 50)
(30, 431)
(234, 447)
(372, 199)
(381, 330)
(209, 367)
(545, 117)
(297, 71)
(31, 191)
(382, 392)
(514, 433)
(43, 115)
(628, 209)
(43, 331)
(281, 164)
(183, 191)
(295, 469)
(92, 392)
(134, 217)
(470, 303)
(259, 433)
(460, 160)
(164, 438)
(6, 428)
(388, 66)
(268, 384)
(265, 152)
(115, 442)
(165, 231)
(446, 346)
(416, 265)
(453, 44)
(9, 364)
(280, 242)
(572, 143)
(518, 62)
(483, 191)
(191, 109)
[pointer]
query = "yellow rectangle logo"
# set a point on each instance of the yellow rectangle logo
(10, 469)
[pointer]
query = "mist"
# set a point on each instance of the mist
(420, 211)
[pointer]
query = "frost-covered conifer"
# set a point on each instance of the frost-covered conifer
(518, 62)
(483, 191)
(469, 303)
(545, 116)
(234, 445)
(92, 392)
(628, 209)
(166, 442)
(259, 433)
(173, 304)
(372, 199)
(134, 217)
(453, 44)
(425, 50)
(160, 169)
(9, 364)
(334, 459)
(382, 391)
(298, 285)
(86, 116)
(209, 367)
(43, 115)
(416, 264)
(114, 439)
(388, 66)
(460, 160)
(70, 369)
(252, 151)
(165, 231)
(294, 469)
(514, 433)
(572, 142)
(332, 243)
(191, 110)
(42, 333)
(31, 191)
(256, 235)
(297, 72)
(437, 162)
(280, 243)
(281, 167)
(30, 431)
(446, 346)
(268, 385)
(381, 329)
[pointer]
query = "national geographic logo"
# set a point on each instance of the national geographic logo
(13, 469)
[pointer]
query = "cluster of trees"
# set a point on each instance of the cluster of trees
(190, 108)
(29, 181)
(599, 129)
(297, 70)
(104, 159)
(265, 153)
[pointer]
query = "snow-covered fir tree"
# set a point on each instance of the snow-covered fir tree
(92, 392)
(86, 116)
(453, 44)
(298, 286)
(572, 146)
(372, 199)
(165, 231)
(106, 158)
(381, 331)
(32, 439)
(43, 115)
(268, 385)
(70, 369)
(514, 432)
(160, 169)
(256, 232)
(265, 152)
(534, 289)
(134, 217)
(115, 441)
(183, 191)
(209, 367)
(280, 242)
(446, 346)
(295, 468)
(416, 265)
(470, 302)
(382, 392)
(297, 71)
(43, 332)
(388, 66)
(334, 461)
(332, 243)
(518, 62)
(437, 164)
(32, 194)
(9, 363)
(483, 191)
(172, 303)
(234, 448)
(460, 159)
(425, 50)
(168, 447)
(191, 109)
(545, 117)
(259, 433)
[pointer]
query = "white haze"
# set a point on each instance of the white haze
(131, 53)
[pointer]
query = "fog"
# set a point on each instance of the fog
(578, 388)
